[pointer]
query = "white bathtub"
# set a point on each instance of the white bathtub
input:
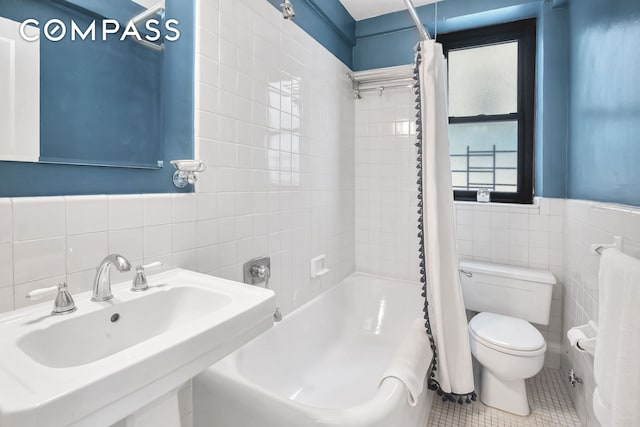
(321, 366)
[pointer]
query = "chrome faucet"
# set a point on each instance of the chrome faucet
(256, 271)
(102, 282)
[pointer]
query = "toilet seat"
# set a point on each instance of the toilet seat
(507, 335)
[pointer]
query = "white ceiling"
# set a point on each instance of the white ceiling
(363, 9)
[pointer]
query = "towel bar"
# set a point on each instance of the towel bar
(599, 248)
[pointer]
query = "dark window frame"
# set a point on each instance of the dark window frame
(525, 33)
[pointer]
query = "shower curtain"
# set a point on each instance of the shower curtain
(451, 372)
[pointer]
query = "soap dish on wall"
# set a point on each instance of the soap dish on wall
(318, 268)
(187, 171)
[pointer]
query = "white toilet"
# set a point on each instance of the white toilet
(509, 348)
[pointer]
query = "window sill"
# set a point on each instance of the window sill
(500, 207)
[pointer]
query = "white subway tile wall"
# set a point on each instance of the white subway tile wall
(586, 223)
(47, 240)
(275, 124)
(386, 189)
(521, 235)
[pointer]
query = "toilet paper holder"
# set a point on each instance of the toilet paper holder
(583, 338)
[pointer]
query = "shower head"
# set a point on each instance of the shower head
(287, 10)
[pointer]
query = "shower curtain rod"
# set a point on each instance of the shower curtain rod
(424, 34)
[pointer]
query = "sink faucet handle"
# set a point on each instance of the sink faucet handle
(63, 303)
(40, 293)
(140, 279)
(152, 265)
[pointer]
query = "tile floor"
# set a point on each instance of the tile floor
(548, 398)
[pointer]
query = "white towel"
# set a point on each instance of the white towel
(616, 363)
(411, 362)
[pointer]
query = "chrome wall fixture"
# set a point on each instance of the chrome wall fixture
(287, 10)
(573, 378)
(187, 171)
(355, 87)
(256, 271)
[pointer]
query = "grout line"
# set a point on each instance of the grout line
(548, 398)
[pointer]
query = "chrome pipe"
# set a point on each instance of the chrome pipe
(424, 34)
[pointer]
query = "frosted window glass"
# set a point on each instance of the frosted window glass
(483, 80)
(475, 164)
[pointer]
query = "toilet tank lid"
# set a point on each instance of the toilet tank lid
(509, 271)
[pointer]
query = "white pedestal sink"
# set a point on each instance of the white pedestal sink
(108, 360)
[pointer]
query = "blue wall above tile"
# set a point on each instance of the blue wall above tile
(604, 143)
(587, 96)
(395, 34)
(552, 101)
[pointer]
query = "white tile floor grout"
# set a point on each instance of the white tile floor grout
(548, 398)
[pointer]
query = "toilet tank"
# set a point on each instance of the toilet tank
(511, 291)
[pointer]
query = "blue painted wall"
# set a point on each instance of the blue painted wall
(65, 124)
(329, 23)
(552, 101)
(604, 144)
(388, 40)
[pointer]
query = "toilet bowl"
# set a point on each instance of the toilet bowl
(502, 340)
(509, 350)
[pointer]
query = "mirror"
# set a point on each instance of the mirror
(89, 116)
(81, 84)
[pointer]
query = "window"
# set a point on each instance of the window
(491, 110)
